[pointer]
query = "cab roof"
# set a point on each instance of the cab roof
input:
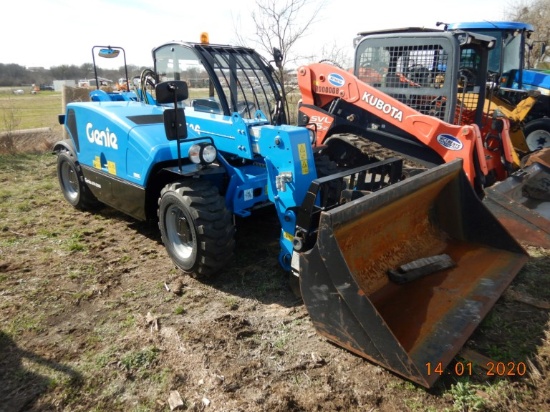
(491, 25)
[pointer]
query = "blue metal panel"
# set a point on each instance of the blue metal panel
(536, 80)
(231, 134)
(124, 139)
(247, 188)
(291, 169)
(491, 25)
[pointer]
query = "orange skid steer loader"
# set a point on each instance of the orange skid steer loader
(426, 103)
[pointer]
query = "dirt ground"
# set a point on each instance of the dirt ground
(95, 317)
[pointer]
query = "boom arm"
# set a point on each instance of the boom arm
(321, 84)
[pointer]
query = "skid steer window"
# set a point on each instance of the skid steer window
(413, 73)
(470, 72)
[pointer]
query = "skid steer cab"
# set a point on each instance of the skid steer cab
(205, 140)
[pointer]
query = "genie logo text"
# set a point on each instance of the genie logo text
(101, 137)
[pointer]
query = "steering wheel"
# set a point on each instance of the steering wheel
(418, 73)
(468, 74)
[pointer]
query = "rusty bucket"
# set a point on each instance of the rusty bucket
(404, 275)
(522, 204)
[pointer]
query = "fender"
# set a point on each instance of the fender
(66, 144)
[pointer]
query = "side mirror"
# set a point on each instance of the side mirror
(108, 53)
(174, 119)
(171, 92)
(174, 124)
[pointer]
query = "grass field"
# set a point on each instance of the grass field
(94, 317)
(29, 111)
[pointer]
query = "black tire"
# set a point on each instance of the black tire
(537, 134)
(196, 227)
(331, 193)
(73, 186)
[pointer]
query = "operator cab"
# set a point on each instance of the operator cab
(424, 68)
(222, 80)
(506, 59)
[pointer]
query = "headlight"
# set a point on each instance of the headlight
(202, 153)
(209, 153)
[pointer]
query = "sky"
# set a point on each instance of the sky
(45, 33)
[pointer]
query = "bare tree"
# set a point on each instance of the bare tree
(336, 54)
(280, 24)
(537, 13)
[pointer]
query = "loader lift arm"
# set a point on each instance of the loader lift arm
(346, 100)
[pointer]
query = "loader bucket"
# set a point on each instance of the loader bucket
(408, 327)
(522, 204)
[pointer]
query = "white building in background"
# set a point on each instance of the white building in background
(58, 84)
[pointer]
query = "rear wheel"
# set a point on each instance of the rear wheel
(196, 227)
(71, 181)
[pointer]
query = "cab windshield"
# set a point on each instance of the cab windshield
(221, 80)
(506, 55)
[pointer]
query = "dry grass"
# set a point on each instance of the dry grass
(29, 111)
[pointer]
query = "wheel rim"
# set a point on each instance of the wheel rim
(538, 139)
(69, 180)
(179, 232)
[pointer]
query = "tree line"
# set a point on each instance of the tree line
(15, 75)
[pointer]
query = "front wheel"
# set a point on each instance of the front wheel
(196, 227)
(537, 134)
